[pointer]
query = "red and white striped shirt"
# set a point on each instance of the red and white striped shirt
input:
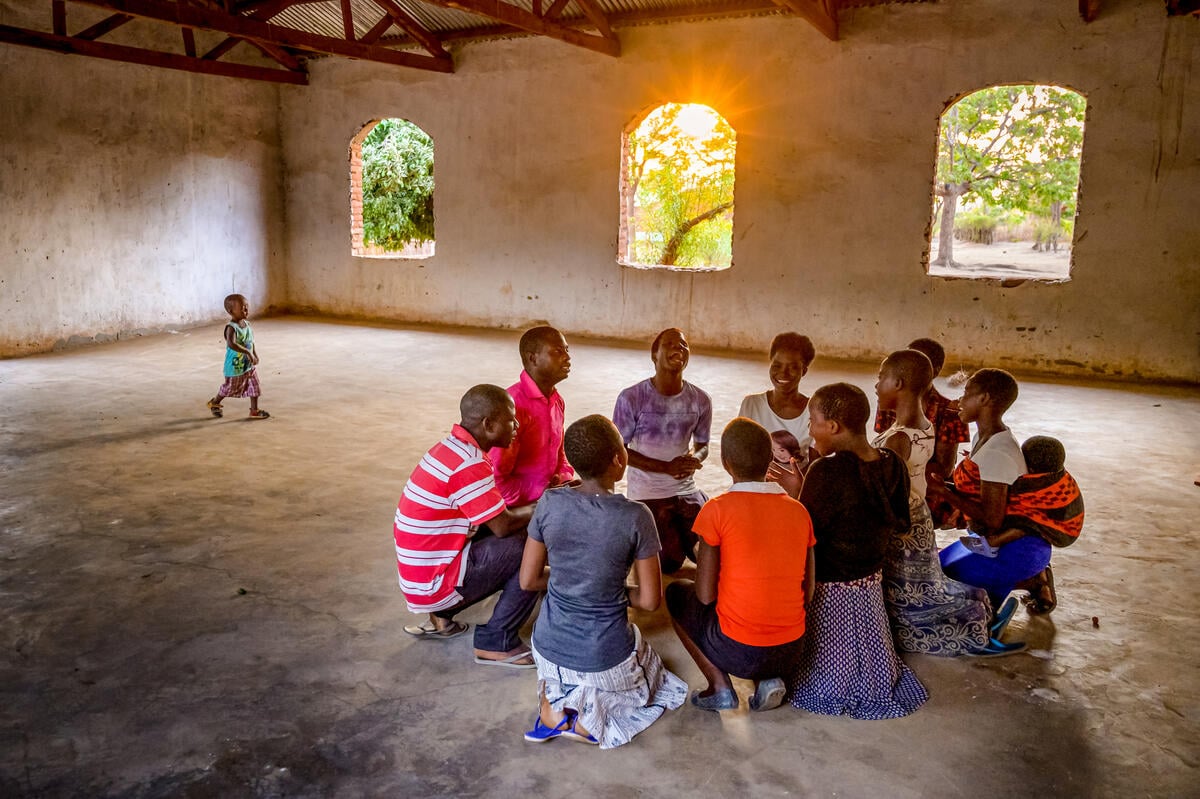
(450, 493)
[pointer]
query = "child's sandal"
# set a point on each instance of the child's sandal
(215, 409)
(259, 414)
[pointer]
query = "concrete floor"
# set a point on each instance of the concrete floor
(198, 607)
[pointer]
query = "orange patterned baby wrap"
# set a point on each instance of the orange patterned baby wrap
(1049, 505)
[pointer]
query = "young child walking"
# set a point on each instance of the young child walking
(857, 496)
(745, 613)
(241, 358)
(930, 613)
(598, 679)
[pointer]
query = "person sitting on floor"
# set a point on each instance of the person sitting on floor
(665, 422)
(457, 543)
(745, 613)
(930, 613)
(982, 483)
(857, 496)
(534, 461)
(598, 679)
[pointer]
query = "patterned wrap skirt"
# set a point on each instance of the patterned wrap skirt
(616, 704)
(849, 665)
(243, 385)
(930, 613)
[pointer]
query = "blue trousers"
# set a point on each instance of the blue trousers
(1017, 560)
(494, 564)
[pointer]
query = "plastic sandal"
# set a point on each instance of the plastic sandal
(259, 414)
(575, 735)
(768, 695)
(429, 630)
(1003, 617)
(510, 662)
(725, 699)
(541, 733)
(215, 409)
(996, 649)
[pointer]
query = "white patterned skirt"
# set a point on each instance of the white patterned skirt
(616, 704)
(849, 664)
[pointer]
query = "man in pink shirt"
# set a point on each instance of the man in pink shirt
(535, 460)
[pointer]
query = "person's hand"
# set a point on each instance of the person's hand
(790, 480)
(254, 359)
(683, 466)
(935, 487)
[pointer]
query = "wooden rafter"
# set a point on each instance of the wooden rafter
(596, 17)
(415, 29)
(821, 14)
(556, 8)
(263, 13)
(348, 20)
(104, 26)
(138, 55)
(244, 28)
(59, 14)
(376, 33)
(1089, 9)
(528, 21)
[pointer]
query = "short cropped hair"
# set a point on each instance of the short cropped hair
(794, 342)
(654, 345)
(933, 351)
(998, 384)
(534, 339)
(590, 444)
(1044, 454)
(911, 366)
(845, 404)
(746, 448)
(229, 301)
(480, 402)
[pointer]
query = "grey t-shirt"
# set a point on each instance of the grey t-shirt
(591, 542)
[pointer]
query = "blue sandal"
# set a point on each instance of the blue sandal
(541, 733)
(575, 735)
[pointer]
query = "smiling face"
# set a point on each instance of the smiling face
(552, 362)
(672, 353)
(239, 309)
(500, 427)
(787, 367)
(821, 429)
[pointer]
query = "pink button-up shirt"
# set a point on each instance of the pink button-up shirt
(536, 460)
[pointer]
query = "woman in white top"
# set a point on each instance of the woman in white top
(783, 407)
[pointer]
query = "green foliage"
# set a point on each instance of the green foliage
(397, 160)
(681, 186)
(1015, 148)
(978, 226)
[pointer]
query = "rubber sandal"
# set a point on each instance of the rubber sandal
(259, 414)
(1042, 597)
(573, 734)
(725, 699)
(541, 733)
(429, 630)
(1003, 617)
(510, 662)
(768, 695)
(215, 409)
(997, 649)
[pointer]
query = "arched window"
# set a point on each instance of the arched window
(1007, 183)
(391, 191)
(677, 175)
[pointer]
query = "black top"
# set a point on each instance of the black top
(856, 507)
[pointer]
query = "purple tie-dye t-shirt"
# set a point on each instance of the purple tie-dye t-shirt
(662, 428)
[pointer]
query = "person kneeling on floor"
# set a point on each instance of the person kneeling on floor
(745, 613)
(457, 543)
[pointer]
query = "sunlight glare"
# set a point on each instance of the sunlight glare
(697, 121)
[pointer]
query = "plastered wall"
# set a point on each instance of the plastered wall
(132, 199)
(835, 159)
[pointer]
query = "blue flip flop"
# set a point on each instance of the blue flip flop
(1003, 616)
(541, 733)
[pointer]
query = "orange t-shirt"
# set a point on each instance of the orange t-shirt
(764, 538)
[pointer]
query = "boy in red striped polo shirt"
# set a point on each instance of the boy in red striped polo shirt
(457, 543)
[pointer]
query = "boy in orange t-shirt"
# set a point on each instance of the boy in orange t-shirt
(744, 614)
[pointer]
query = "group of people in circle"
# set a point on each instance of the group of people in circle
(816, 565)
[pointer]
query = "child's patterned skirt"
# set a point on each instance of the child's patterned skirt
(243, 385)
(849, 665)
